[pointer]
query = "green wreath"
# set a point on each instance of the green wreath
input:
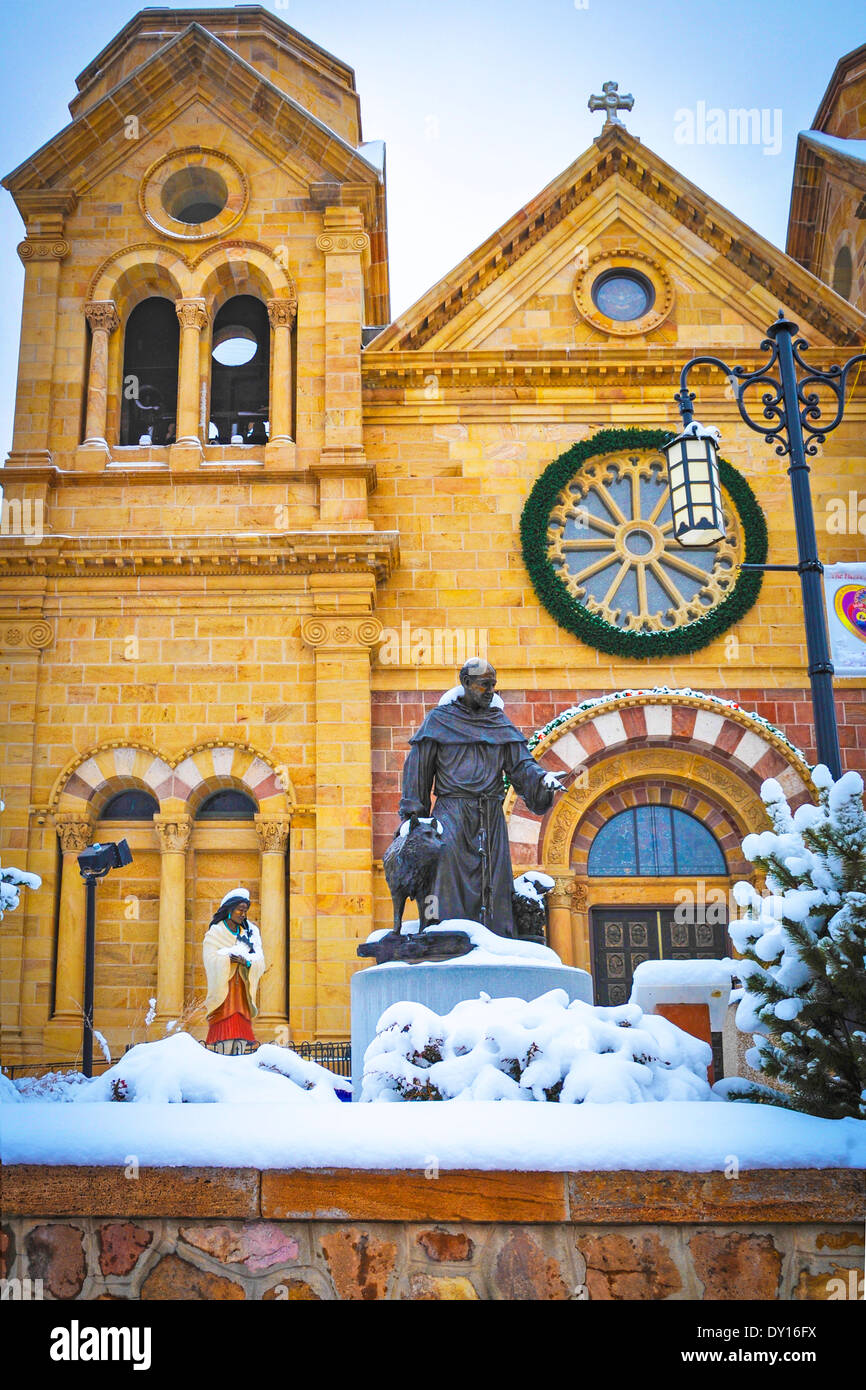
(569, 613)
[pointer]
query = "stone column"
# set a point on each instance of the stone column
(344, 838)
(559, 914)
(193, 317)
(580, 926)
(342, 469)
(174, 833)
(41, 253)
(103, 318)
(76, 833)
(273, 833)
(280, 446)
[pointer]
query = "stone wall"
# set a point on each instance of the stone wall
(316, 1235)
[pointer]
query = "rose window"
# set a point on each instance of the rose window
(611, 544)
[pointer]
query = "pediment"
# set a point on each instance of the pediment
(617, 194)
(195, 66)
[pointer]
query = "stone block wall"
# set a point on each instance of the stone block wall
(188, 1234)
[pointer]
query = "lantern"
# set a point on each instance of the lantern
(696, 495)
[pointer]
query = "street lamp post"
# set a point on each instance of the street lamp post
(792, 421)
(93, 864)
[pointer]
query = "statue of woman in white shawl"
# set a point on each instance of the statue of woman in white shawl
(234, 963)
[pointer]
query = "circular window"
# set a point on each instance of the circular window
(611, 542)
(624, 292)
(623, 295)
(234, 346)
(598, 542)
(194, 195)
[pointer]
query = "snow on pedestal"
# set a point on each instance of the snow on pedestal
(498, 966)
(684, 982)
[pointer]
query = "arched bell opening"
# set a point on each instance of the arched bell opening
(240, 373)
(150, 365)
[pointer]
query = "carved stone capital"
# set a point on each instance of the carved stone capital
(102, 314)
(347, 244)
(336, 634)
(75, 831)
(281, 312)
(192, 313)
(578, 895)
(273, 833)
(568, 893)
(43, 249)
(173, 832)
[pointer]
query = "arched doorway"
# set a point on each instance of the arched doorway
(672, 866)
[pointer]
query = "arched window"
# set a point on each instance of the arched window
(150, 359)
(240, 373)
(843, 272)
(227, 805)
(130, 805)
(654, 842)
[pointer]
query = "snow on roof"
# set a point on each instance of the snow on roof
(855, 149)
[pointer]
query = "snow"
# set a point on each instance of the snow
(686, 1136)
(856, 149)
(422, 820)
(528, 885)
(698, 431)
(457, 691)
(488, 948)
(547, 1049)
(712, 973)
(179, 1069)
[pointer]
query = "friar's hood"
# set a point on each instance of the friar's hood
(455, 723)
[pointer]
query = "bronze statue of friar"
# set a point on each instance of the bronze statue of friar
(459, 756)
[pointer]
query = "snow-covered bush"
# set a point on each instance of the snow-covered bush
(11, 883)
(180, 1069)
(804, 948)
(548, 1049)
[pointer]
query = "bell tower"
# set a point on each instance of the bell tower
(204, 245)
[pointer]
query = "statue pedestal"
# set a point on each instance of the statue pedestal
(441, 986)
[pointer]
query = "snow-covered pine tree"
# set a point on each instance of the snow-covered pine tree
(804, 948)
(11, 883)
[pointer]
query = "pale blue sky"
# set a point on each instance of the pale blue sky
(481, 103)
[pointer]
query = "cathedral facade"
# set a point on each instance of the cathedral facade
(255, 525)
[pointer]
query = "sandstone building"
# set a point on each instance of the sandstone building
(229, 589)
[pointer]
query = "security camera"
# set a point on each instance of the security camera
(98, 859)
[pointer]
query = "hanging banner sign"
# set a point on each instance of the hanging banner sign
(845, 598)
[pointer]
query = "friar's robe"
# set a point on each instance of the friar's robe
(460, 755)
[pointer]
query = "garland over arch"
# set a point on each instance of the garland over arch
(570, 614)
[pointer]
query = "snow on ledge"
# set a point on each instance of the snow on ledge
(684, 1136)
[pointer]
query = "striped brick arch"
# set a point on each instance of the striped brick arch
(741, 747)
(87, 784)
(723, 827)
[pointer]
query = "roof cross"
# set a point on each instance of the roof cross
(610, 103)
